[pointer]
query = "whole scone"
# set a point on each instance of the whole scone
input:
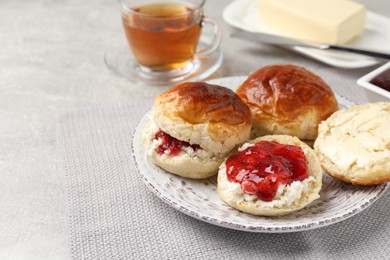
(287, 99)
(194, 126)
(286, 178)
(353, 144)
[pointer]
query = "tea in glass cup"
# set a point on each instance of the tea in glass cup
(164, 34)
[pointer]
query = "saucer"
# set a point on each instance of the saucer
(121, 62)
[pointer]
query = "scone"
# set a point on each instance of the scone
(287, 99)
(272, 175)
(193, 127)
(353, 144)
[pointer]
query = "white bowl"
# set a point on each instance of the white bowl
(375, 93)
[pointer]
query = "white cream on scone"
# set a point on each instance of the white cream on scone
(285, 196)
(353, 144)
(288, 198)
(212, 117)
(186, 152)
(189, 163)
(357, 137)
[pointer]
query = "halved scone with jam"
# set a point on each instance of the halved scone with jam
(193, 127)
(272, 175)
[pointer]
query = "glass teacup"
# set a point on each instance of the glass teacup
(163, 35)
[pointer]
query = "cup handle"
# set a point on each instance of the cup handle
(216, 40)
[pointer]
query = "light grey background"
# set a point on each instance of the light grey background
(51, 61)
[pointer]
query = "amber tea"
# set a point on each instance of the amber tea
(163, 36)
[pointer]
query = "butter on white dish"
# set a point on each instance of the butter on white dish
(329, 21)
(353, 144)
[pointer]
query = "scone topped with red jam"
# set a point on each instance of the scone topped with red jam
(194, 126)
(270, 176)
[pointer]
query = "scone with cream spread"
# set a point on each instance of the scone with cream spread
(353, 144)
(272, 175)
(193, 127)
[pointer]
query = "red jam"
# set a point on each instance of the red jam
(170, 145)
(261, 168)
(382, 80)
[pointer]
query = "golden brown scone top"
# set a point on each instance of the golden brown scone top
(283, 91)
(199, 102)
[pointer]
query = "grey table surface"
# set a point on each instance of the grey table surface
(51, 60)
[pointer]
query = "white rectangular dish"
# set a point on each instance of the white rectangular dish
(245, 15)
(375, 93)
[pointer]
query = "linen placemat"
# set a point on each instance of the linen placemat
(112, 214)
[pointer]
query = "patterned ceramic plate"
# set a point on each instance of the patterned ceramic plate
(199, 198)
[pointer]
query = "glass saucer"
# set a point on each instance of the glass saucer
(121, 62)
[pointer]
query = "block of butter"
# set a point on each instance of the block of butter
(324, 21)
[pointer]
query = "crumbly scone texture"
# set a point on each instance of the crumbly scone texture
(353, 144)
(304, 126)
(310, 193)
(190, 164)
